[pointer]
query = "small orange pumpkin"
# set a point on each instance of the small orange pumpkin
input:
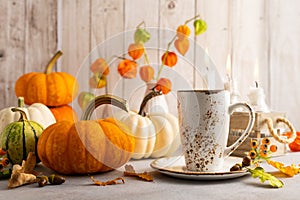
(135, 50)
(86, 146)
(127, 68)
(169, 58)
(64, 113)
(49, 88)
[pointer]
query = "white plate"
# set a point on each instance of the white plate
(175, 166)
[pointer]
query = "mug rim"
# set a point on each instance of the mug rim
(206, 91)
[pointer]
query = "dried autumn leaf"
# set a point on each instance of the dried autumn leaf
(29, 165)
(287, 170)
(115, 181)
(129, 171)
(260, 173)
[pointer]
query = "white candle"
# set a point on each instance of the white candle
(256, 95)
(256, 98)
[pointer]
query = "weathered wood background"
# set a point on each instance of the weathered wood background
(248, 31)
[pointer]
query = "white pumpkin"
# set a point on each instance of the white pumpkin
(156, 134)
(36, 112)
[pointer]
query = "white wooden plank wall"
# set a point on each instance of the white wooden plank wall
(252, 32)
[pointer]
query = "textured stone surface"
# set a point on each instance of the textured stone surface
(163, 187)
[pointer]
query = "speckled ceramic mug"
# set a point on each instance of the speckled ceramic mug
(204, 117)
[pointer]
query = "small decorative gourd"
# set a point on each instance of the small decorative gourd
(64, 112)
(36, 112)
(87, 146)
(156, 134)
(19, 138)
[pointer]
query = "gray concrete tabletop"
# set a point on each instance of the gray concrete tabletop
(163, 187)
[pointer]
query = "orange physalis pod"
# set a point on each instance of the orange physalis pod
(100, 66)
(127, 68)
(146, 73)
(183, 31)
(182, 45)
(169, 58)
(135, 50)
(164, 85)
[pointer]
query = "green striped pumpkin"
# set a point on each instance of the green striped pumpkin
(19, 138)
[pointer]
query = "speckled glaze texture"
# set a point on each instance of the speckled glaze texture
(204, 125)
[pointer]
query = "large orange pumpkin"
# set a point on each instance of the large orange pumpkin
(64, 113)
(86, 146)
(49, 88)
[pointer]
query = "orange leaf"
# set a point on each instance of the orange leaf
(129, 171)
(288, 170)
(115, 181)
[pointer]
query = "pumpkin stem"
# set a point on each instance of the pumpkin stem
(23, 116)
(104, 99)
(21, 103)
(52, 62)
(149, 96)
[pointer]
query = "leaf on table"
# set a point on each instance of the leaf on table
(115, 181)
(29, 165)
(287, 170)
(129, 171)
(19, 178)
(264, 176)
(25, 174)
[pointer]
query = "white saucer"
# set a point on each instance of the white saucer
(175, 166)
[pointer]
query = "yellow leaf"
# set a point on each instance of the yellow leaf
(288, 170)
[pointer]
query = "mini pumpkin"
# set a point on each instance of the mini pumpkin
(21, 137)
(86, 146)
(64, 112)
(36, 112)
(156, 134)
(49, 88)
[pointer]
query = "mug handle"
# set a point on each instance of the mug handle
(245, 134)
